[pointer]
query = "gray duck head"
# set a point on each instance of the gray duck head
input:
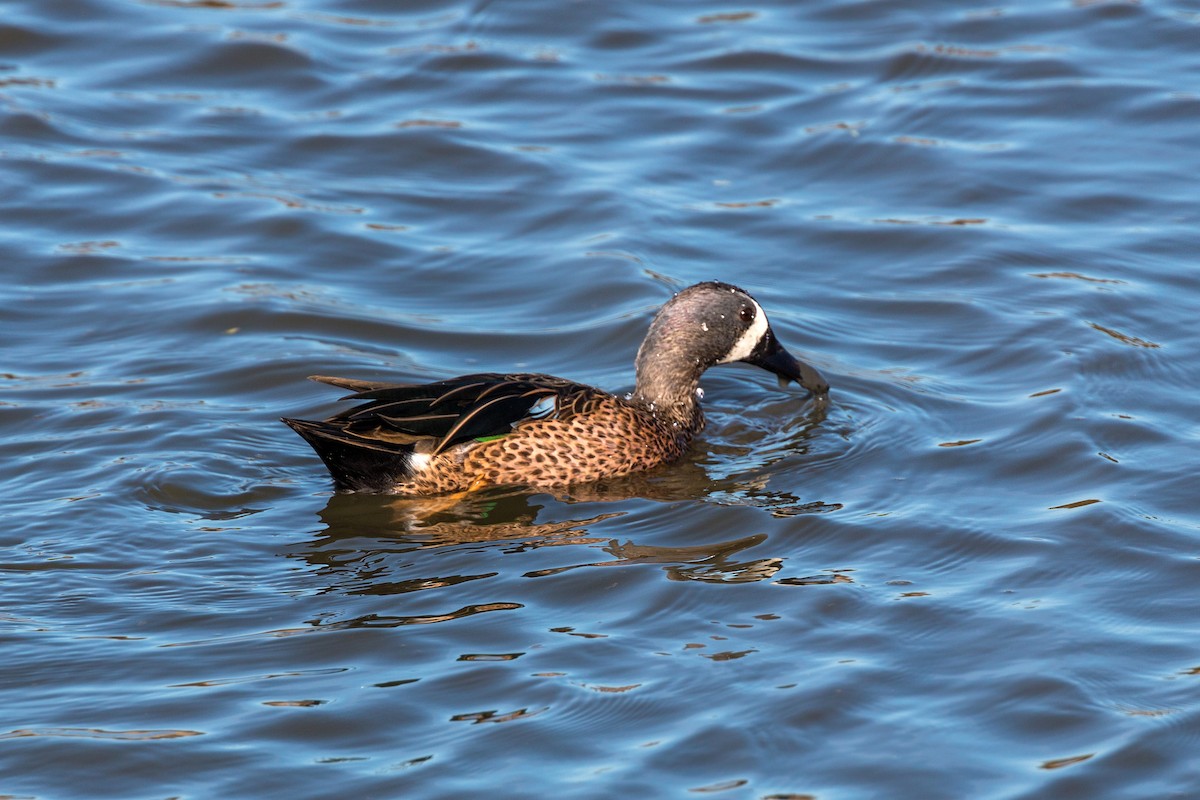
(704, 325)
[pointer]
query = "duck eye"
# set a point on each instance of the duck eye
(747, 314)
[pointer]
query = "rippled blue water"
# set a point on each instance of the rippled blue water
(976, 577)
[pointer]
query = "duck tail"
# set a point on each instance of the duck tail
(356, 465)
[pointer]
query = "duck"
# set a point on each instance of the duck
(541, 431)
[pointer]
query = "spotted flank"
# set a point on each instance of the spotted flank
(538, 430)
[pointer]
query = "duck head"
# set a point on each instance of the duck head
(708, 324)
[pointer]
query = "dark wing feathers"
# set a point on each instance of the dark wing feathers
(400, 409)
(496, 415)
(356, 464)
(452, 411)
(460, 391)
(347, 383)
(430, 425)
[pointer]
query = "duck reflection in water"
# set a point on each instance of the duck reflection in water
(366, 532)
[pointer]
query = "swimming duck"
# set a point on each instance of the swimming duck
(541, 431)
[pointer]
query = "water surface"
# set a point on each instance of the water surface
(976, 576)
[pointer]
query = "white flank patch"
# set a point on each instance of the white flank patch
(418, 461)
(745, 345)
(543, 407)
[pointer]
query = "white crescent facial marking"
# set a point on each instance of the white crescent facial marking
(749, 340)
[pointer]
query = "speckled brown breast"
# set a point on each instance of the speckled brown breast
(605, 437)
